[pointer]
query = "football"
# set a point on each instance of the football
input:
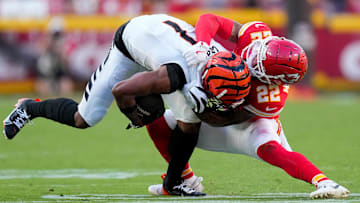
(150, 108)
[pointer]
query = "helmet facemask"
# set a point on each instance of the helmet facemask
(256, 55)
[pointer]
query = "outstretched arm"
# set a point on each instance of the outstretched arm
(219, 119)
(209, 25)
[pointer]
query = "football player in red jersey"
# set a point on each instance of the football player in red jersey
(274, 63)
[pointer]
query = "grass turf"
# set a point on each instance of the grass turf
(44, 161)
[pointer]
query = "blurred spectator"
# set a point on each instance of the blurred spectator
(301, 31)
(52, 67)
(86, 7)
(181, 5)
(272, 4)
(333, 7)
(154, 6)
(353, 6)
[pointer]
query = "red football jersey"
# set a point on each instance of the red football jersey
(249, 32)
(266, 101)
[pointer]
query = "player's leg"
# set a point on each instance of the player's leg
(95, 102)
(160, 132)
(264, 139)
(278, 153)
(62, 110)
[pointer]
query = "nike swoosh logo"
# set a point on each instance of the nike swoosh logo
(270, 109)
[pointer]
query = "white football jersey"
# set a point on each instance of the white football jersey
(154, 40)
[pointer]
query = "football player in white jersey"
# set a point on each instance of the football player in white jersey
(146, 58)
(274, 63)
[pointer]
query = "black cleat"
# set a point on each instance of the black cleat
(16, 119)
(183, 190)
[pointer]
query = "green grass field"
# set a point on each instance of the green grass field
(50, 162)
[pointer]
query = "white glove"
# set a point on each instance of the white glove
(196, 96)
(197, 53)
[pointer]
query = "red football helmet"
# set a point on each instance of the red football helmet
(276, 60)
(226, 77)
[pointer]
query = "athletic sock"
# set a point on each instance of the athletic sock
(181, 146)
(61, 110)
(318, 179)
(187, 172)
(294, 163)
(160, 133)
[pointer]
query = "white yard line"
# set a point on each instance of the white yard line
(113, 174)
(71, 173)
(268, 197)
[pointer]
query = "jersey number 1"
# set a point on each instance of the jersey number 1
(182, 32)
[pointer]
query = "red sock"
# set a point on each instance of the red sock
(187, 172)
(294, 163)
(160, 133)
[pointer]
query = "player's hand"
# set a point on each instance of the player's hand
(131, 125)
(216, 104)
(197, 53)
(196, 96)
(134, 116)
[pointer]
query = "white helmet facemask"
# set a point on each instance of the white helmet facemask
(256, 52)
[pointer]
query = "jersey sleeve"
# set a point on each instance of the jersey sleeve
(209, 25)
(266, 101)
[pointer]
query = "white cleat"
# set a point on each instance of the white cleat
(156, 189)
(328, 189)
(193, 182)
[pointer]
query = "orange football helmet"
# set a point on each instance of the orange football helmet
(226, 77)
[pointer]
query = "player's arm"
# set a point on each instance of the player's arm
(219, 119)
(209, 25)
(163, 80)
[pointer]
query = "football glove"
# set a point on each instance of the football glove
(196, 96)
(148, 109)
(214, 103)
(197, 53)
(132, 114)
(198, 99)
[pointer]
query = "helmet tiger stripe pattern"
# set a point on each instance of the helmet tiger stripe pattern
(226, 77)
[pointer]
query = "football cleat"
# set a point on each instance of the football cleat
(17, 118)
(182, 189)
(193, 182)
(329, 189)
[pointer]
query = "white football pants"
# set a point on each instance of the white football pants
(244, 138)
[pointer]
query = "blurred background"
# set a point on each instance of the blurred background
(51, 47)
